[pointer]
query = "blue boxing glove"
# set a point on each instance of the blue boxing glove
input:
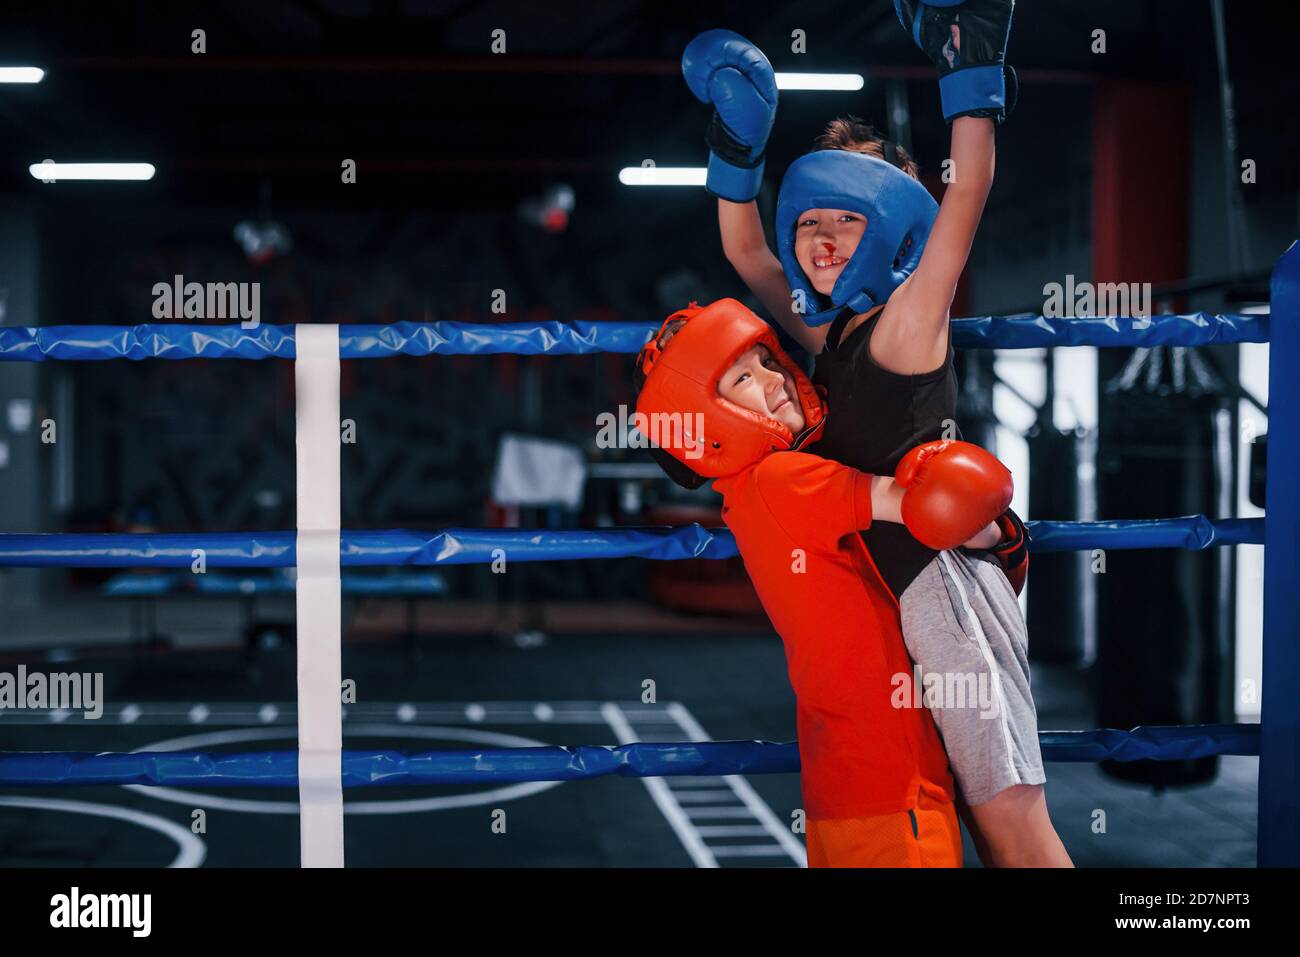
(726, 70)
(967, 42)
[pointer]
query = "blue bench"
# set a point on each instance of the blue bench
(146, 588)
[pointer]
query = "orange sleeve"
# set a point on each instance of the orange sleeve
(810, 495)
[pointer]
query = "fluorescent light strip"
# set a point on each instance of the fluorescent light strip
(662, 175)
(819, 81)
(56, 172)
(21, 74)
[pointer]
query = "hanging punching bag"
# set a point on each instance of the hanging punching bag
(1056, 586)
(1158, 660)
(975, 399)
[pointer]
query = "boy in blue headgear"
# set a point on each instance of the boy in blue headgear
(868, 266)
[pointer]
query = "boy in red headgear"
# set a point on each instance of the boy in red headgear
(722, 400)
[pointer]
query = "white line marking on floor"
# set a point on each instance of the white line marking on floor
(757, 806)
(733, 830)
(749, 850)
(407, 806)
(661, 794)
(374, 718)
(192, 850)
(731, 810)
(689, 796)
(434, 712)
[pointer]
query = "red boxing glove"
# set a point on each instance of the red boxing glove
(954, 489)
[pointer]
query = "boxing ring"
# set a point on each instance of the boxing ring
(318, 548)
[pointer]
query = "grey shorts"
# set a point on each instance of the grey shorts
(963, 627)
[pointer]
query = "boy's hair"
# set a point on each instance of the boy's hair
(851, 133)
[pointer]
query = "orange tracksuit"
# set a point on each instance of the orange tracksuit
(876, 786)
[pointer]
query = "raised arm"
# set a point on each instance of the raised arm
(912, 335)
(966, 40)
(726, 71)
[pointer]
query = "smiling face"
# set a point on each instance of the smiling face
(757, 382)
(824, 240)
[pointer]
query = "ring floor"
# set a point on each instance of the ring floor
(574, 688)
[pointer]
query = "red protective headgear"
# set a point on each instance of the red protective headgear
(681, 380)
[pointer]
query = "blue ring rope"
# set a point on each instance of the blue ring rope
(378, 768)
(366, 341)
(470, 546)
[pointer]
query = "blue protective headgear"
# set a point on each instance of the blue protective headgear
(899, 214)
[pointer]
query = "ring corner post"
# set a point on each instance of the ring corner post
(1279, 753)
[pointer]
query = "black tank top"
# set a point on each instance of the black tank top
(876, 418)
